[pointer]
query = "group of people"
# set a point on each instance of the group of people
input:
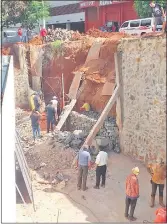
(156, 170)
(24, 34)
(51, 114)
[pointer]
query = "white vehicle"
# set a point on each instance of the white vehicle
(139, 27)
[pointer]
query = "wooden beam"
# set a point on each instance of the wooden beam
(64, 117)
(102, 117)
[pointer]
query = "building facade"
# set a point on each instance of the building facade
(98, 13)
(66, 15)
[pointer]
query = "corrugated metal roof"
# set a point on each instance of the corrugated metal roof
(65, 9)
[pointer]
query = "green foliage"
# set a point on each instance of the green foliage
(143, 8)
(35, 11)
(57, 43)
(28, 13)
(11, 12)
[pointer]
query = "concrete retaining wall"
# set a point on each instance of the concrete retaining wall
(143, 74)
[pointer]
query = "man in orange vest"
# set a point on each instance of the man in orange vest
(160, 215)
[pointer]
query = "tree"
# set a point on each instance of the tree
(143, 8)
(11, 12)
(28, 13)
(35, 11)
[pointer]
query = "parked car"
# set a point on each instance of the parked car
(11, 36)
(139, 27)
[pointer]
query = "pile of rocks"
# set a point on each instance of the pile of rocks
(63, 34)
(86, 121)
(73, 139)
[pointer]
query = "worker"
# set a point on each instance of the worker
(158, 14)
(83, 164)
(161, 216)
(51, 116)
(37, 101)
(35, 117)
(55, 102)
(85, 107)
(101, 167)
(158, 175)
(132, 193)
(20, 33)
(43, 34)
(32, 101)
(55, 105)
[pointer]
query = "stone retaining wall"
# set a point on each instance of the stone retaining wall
(21, 78)
(143, 74)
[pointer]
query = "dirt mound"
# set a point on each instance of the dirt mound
(98, 33)
(53, 154)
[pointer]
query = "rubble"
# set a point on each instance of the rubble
(63, 34)
(97, 33)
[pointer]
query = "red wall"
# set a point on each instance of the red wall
(115, 12)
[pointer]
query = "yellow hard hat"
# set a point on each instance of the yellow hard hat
(135, 171)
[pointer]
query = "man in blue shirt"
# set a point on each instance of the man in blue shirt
(37, 101)
(83, 163)
(35, 117)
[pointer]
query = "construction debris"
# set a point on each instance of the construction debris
(63, 34)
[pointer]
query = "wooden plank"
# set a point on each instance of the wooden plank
(75, 85)
(108, 89)
(94, 51)
(102, 117)
(118, 105)
(64, 117)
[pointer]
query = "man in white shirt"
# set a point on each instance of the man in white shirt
(101, 167)
(55, 104)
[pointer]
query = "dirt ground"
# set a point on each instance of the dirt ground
(71, 205)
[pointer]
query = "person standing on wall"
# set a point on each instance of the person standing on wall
(20, 33)
(158, 14)
(158, 176)
(83, 164)
(132, 193)
(43, 34)
(101, 167)
(35, 117)
(51, 116)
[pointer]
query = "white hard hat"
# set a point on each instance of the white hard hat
(55, 97)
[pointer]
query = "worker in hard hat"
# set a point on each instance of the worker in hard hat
(32, 101)
(132, 193)
(85, 107)
(161, 216)
(55, 105)
(158, 176)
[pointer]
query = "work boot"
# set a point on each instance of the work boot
(152, 201)
(96, 187)
(161, 201)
